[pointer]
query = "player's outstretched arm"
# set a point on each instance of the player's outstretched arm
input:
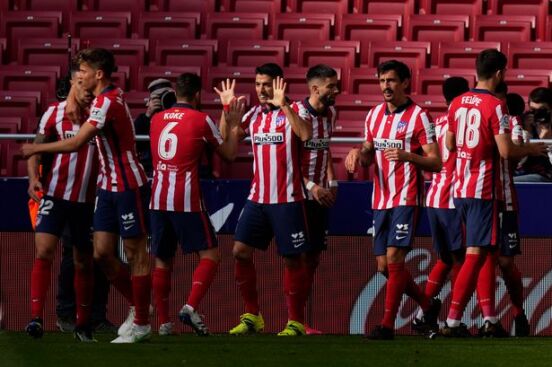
(33, 170)
(301, 128)
(86, 132)
(232, 135)
(508, 150)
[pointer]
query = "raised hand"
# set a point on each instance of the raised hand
(227, 91)
(235, 111)
(279, 92)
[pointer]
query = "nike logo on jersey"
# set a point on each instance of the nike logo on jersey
(400, 237)
(128, 227)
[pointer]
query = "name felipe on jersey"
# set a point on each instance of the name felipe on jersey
(317, 144)
(382, 144)
(268, 138)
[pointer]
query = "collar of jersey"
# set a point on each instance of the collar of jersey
(400, 108)
(484, 91)
(312, 110)
(183, 105)
(109, 88)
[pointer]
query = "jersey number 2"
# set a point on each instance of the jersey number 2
(468, 121)
(168, 142)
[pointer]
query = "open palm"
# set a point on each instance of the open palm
(279, 90)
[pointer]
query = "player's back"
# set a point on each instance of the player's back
(475, 118)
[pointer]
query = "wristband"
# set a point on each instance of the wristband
(226, 107)
(333, 183)
(310, 185)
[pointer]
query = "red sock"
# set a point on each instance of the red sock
(454, 273)
(84, 293)
(201, 281)
(310, 270)
(295, 289)
(246, 278)
(413, 291)
(465, 285)
(396, 285)
(514, 284)
(123, 284)
(141, 291)
(161, 283)
(40, 282)
(486, 286)
(436, 279)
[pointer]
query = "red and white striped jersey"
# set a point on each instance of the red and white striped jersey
(316, 151)
(408, 128)
(120, 169)
(440, 192)
(277, 175)
(475, 118)
(73, 175)
(508, 167)
(179, 136)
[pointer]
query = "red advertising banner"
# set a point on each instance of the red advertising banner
(347, 298)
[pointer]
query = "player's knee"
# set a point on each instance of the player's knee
(211, 254)
(242, 252)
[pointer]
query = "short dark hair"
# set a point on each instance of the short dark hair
(454, 86)
(501, 88)
(515, 103)
(399, 67)
(99, 59)
(271, 69)
(187, 85)
(488, 62)
(320, 71)
(541, 95)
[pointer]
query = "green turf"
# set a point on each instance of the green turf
(56, 350)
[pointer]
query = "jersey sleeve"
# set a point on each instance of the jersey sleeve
(499, 119)
(99, 112)
(425, 129)
(246, 119)
(212, 134)
(47, 124)
(516, 129)
(368, 137)
(301, 111)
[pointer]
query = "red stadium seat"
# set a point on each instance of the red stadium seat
(20, 25)
(241, 168)
(97, 24)
(245, 78)
(296, 79)
(339, 153)
(16, 165)
(413, 53)
(148, 74)
(523, 81)
(435, 104)
(2, 49)
(337, 54)
(355, 106)
(549, 28)
(46, 51)
(135, 7)
(185, 53)
(349, 128)
(430, 81)
(254, 53)
(363, 81)
(405, 7)
(136, 102)
(461, 55)
(335, 7)
(30, 78)
(435, 28)
(441, 7)
(66, 7)
(10, 125)
(367, 28)
(228, 26)
(121, 77)
(165, 25)
(503, 28)
(536, 8)
(530, 55)
(253, 6)
(20, 104)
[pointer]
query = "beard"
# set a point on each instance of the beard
(327, 100)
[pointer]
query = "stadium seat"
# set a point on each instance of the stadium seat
(349, 128)
(405, 7)
(503, 28)
(17, 25)
(147, 74)
(136, 102)
(97, 24)
(339, 153)
(165, 25)
(20, 104)
(254, 53)
(245, 78)
(435, 28)
(66, 7)
(46, 51)
(549, 29)
(252, 6)
(10, 125)
(536, 8)
(530, 55)
(334, 7)
(355, 106)
(337, 54)
(16, 165)
(185, 53)
(461, 55)
(363, 81)
(442, 7)
(135, 7)
(523, 81)
(302, 28)
(2, 50)
(241, 168)
(122, 78)
(30, 78)
(368, 28)
(228, 26)
(435, 104)
(430, 81)
(413, 53)
(296, 79)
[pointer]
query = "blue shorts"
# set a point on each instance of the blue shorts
(446, 229)
(480, 218)
(394, 227)
(193, 230)
(317, 219)
(287, 222)
(508, 234)
(55, 214)
(123, 213)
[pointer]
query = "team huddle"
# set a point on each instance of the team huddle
(96, 181)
